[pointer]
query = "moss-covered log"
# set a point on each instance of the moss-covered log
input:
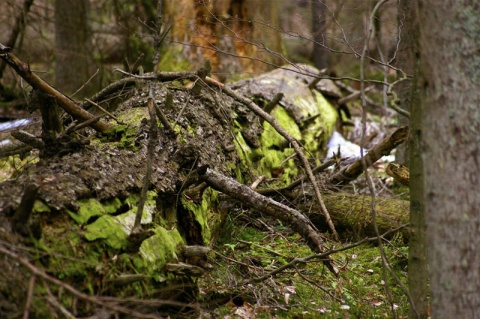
(352, 214)
(88, 191)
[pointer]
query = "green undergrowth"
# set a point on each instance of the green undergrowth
(93, 252)
(308, 290)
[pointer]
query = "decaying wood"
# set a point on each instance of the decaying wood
(273, 122)
(352, 171)
(28, 139)
(14, 149)
(23, 69)
(296, 220)
(399, 172)
(152, 143)
(106, 171)
(23, 211)
(195, 251)
(352, 214)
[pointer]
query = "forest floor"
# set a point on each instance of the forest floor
(250, 248)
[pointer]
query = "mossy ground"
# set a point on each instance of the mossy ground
(247, 252)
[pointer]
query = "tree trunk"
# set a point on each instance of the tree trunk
(319, 26)
(450, 72)
(410, 155)
(406, 63)
(73, 48)
(222, 31)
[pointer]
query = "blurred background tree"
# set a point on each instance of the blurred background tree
(75, 68)
(240, 37)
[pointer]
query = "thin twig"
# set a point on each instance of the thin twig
(54, 302)
(105, 111)
(364, 162)
(92, 299)
(86, 83)
(323, 255)
(28, 303)
(153, 132)
(273, 122)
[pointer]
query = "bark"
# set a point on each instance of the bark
(319, 28)
(409, 61)
(222, 31)
(352, 214)
(73, 48)
(407, 64)
(450, 128)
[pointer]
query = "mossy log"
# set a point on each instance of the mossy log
(352, 214)
(88, 192)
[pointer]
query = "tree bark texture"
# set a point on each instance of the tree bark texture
(410, 155)
(73, 47)
(451, 129)
(319, 28)
(352, 214)
(406, 63)
(222, 31)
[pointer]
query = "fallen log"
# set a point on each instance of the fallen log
(352, 214)
(87, 198)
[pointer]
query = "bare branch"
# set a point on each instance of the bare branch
(273, 122)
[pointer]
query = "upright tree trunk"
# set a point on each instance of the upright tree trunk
(410, 154)
(406, 61)
(450, 69)
(235, 35)
(319, 25)
(73, 47)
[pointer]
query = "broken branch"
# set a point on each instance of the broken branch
(296, 220)
(351, 172)
(37, 83)
(273, 122)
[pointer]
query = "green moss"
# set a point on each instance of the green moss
(274, 152)
(114, 229)
(202, 211)
(111, 206)
(317, 133)
(40, 207)
(88, 209)
(109, 229)
(173, 59)
(160, 249)
(358, 291)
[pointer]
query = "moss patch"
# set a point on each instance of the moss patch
(160, 249)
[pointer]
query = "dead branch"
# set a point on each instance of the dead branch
(110, 89)
(28, 139)
(299, 222)
(322, 256)
(23, 69)
(351, 172)
(24, 210)
(273, 122)
(356, 93)
(92, 299)
(14, 148)
(28, 303)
